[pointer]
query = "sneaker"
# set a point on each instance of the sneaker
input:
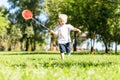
(69, 54)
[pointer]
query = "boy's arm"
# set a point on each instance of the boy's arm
(53, 32)
(76, 29)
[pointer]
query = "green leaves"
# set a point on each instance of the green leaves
(29, 31)
(15, 33)
(3, 22)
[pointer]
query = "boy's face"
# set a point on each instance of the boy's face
(62, 21)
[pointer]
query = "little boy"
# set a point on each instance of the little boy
(63, 33)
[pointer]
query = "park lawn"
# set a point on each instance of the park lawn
(51, 67)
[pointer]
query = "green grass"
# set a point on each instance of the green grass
(50, 67)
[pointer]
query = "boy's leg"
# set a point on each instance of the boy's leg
(62, 50)
(68, 49)
(62, 55)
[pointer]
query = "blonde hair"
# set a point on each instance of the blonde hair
(63, 17)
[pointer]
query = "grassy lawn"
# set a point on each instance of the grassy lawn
(50, 67)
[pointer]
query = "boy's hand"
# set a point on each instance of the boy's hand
(79, 30)
(76, 29)
(51, 31)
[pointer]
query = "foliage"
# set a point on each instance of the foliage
(4, 25)
(15, 33)
(17, 6)
(97, 17)
(92, 16)
(29, 31)
(53, 9)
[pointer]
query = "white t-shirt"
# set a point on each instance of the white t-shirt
(63, 33)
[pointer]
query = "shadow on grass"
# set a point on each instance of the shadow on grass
(66, 64)
(27, 53)
(54, 62)
(80, 64)
(51, 53)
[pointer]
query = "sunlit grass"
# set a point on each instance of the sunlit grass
(51, 67)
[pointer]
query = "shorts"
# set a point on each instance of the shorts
(65, 48)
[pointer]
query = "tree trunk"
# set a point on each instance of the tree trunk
(33, 44)
(115, 47)
(52, 43)
(21, 45)
(28, 46)
(34, 39)
(106, 48)
(75, 42)
(93, 43)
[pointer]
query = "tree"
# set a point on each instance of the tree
(116, 23)
(91, 15)
(4, 25)
(105, 30)
(73, 9)
(96, 16)
(14, 37)
(53, 9)
(17, 6)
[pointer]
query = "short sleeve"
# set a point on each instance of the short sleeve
(70, 27)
